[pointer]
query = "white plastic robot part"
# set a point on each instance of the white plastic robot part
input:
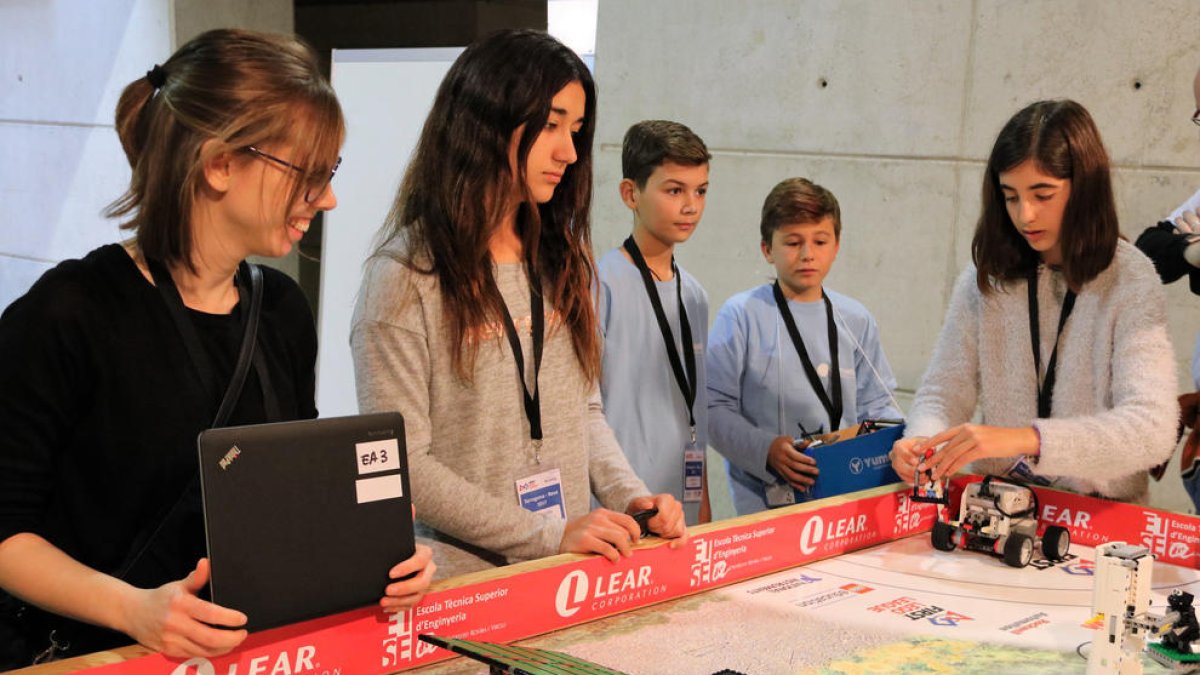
(1121, 592)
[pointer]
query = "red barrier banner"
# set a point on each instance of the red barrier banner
(1173, 537)
(533, 598)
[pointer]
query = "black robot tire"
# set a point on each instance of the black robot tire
(1018, 550)
(942, 536)
(1056, 543)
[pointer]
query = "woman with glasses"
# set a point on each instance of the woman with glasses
(1057, 332)
(113, 363)
(477, 321)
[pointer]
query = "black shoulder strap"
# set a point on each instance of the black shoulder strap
(247, 351)
(250, 286)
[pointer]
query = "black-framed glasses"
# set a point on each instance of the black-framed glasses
(316, 184)
(1196, 117)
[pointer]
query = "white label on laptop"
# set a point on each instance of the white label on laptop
(379, 488)
(542, 493)
(376, 456)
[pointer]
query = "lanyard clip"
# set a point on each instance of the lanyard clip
(693, 429)
(537, 450)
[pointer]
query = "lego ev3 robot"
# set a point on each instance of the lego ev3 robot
(999, 517)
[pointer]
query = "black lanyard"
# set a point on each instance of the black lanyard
(834, 407)
(533, 402)
(1045, 391)
(686, 381)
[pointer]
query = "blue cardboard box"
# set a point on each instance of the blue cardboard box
(853, 464)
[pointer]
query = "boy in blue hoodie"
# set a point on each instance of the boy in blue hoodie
(791, 357)
(654, 316)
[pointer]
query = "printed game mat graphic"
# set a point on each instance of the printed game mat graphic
(897, 607)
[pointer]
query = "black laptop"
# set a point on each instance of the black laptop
(305, 518)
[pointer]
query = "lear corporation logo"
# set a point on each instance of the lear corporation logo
(606, 591)
(849, 529)
(283, 663)
(810, 536)
(571, 593)
(195, 666)
(856, 466)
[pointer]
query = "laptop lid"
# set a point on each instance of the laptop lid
(305, 518)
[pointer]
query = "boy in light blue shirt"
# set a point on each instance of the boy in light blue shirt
(791, 357)
(654, 316)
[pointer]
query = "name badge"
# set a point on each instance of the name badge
(542, 493)
(1021, 471)
(779, 494)
(693, 473)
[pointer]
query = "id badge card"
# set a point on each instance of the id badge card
(780, 494)
(1021, 471)
(543, 493)
(693, 472)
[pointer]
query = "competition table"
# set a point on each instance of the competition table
(848, 584)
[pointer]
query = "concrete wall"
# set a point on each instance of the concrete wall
(63, 64)
(193, 17)
(62, 67)
(893, 105)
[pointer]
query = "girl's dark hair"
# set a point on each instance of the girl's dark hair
(235, 87)
(1062, 139)
(456, 190)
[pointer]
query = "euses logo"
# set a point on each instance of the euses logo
(401, 643)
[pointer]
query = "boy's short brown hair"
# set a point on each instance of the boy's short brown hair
(798, 200)
(650, 143)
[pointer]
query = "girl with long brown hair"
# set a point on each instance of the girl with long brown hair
(1057, 332)
(477, 321)
(114, 363)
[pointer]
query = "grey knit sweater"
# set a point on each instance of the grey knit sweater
(468, 442)
(1115, 411)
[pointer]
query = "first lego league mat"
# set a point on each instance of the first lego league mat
(896, 607)
(849, 584)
